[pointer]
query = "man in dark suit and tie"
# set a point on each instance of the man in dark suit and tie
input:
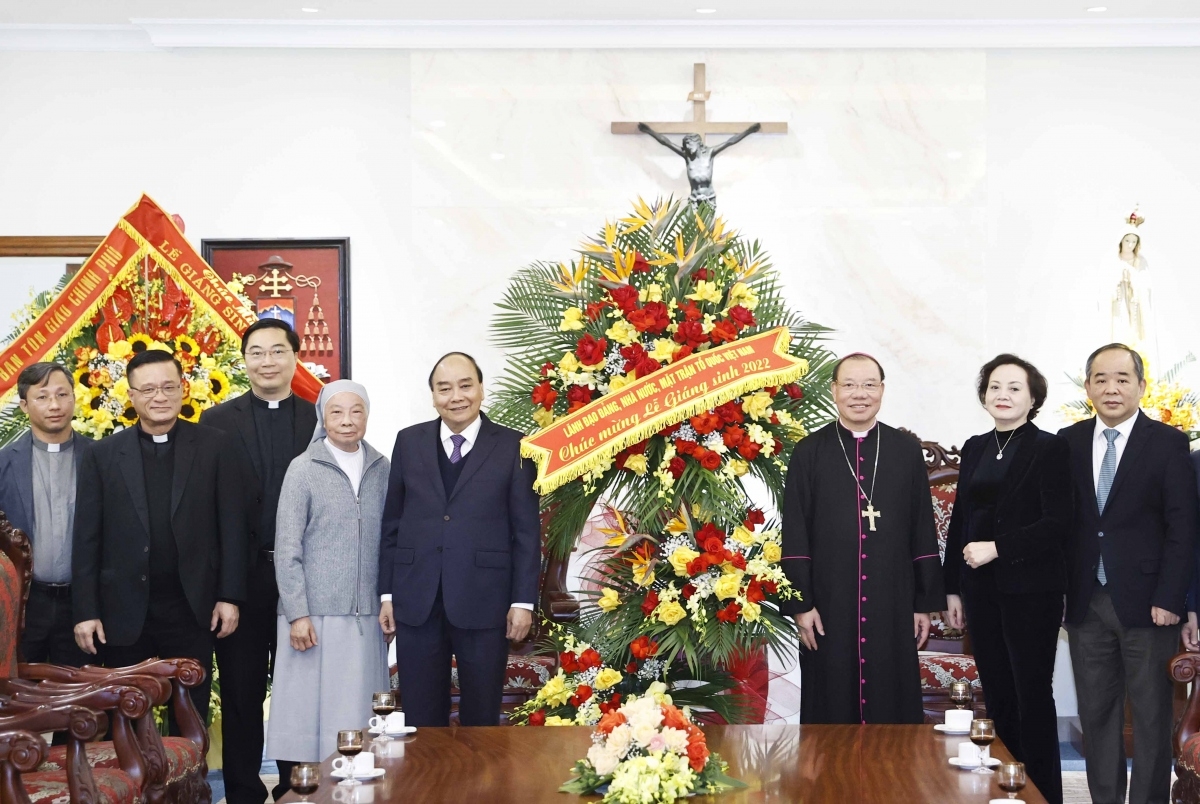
(269, 426)
(1129, 566)
(159, 559)
(461, 551)
(37, 494)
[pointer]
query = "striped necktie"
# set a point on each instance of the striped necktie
(458, 441)
(1108, 470)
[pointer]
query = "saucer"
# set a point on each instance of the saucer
(374, 773)
(398, 733)
(967, 764)
(944, 729)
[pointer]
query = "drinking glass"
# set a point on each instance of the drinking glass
(349, 745)
(1011, 776)
(960, 694)
(306, 778)
(983, 733)
(383, 704)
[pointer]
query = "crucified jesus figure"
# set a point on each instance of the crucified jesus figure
(699, 159)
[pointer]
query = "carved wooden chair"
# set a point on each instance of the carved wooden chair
(947, 656)
(1185, 669)
(165, 770)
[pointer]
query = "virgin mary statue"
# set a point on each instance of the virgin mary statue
(1125, 297)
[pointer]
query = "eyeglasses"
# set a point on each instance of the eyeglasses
(851, 387)
(60, 396)
(168, 389)
(257, 355)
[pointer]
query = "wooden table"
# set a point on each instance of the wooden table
(785, 763)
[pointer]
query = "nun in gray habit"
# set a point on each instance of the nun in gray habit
(331, 653)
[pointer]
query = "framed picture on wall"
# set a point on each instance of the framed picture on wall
(303, 282)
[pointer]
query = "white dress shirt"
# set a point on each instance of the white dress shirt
(1100, 444)
(471, 434)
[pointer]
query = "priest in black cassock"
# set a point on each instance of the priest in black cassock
(859, 545)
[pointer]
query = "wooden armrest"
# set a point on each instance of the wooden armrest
(124, 698)
(23, 749)
(1184, 669)
(81, 724)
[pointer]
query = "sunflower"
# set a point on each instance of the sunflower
(218, 385)
(128, 416)
(83, 376)
(140, 342)
(187, 346)
(189, 411)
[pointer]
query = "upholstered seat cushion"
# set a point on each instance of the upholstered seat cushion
(523, 674)
(938, 670)
(10, 613)
(114, 786)
(1187, 766)
(183, 757)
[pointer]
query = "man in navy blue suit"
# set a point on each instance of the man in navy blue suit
(460, 553)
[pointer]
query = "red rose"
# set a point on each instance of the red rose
(754, 591)
(738, 560)
(577, 397)
(697, 755)
(741, 316)
(610, 721)
(589, 658)
(648, 366)
(538, 718)
(698, 565)
(643, 648)
(639, 448)
(690, 311)
(748, 450)
(754, 517)
(700, 274)
(730, 613)
(652, 318)
(667, 432)
(713, 544)
(730, 412)
(625, 297)
(685, 446)
(612, 705)
(590, 350)
(676, 467)
(594, 309)
(547, 369)
(681, 353)
(634, 353)
(710, 531)
(705, 423)
(568, 662)
(687, 591)
(582, 693)
(793, 390)
(732, 436)
(640, 266)
(770, 587)
(544, 395)
(778, 447)
(650, 603)
(690, 333)
(631, 667)
(723, 331)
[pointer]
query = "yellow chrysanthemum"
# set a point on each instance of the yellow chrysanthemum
(555, 691)
(119, 350)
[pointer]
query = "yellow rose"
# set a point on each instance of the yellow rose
(609, 599)
(750, 611)
(757, 405)
(555, 692)
(727, 585)
(637, 464)
(572, 319)
(618, 382)
(569, 363)
(664, 349)
(623, 332)
(680, 559)
(544, 418)
(671, 612)
(737, 467)
(706, 292)
(772, 552)
(743, 536)
(606, 678)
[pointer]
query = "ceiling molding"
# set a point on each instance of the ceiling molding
(145, 34)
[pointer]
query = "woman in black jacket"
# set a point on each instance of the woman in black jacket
(1005, 570)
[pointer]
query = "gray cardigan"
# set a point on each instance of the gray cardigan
(323, 550)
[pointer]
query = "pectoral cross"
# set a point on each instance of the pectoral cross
(871, 514)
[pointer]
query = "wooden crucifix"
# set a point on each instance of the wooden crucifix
(695, 152)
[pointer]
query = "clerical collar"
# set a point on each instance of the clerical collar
(162, 438)
(857, 433)
(47, 447)
(269, 404)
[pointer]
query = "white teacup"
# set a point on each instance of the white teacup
(968, 753)
(959, 719)
(394, 722)
(362, 763)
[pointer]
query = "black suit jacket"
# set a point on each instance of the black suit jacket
(1149, 524)
(16, 480)
(482, 545)
(236, 417)
(111, 557)
(1033, 516)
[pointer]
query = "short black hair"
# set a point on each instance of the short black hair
(478, 370)
(37, 373)
(856, 356)
(1138, 367)
(1038, 387)
(148, 356)
(271, 323)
